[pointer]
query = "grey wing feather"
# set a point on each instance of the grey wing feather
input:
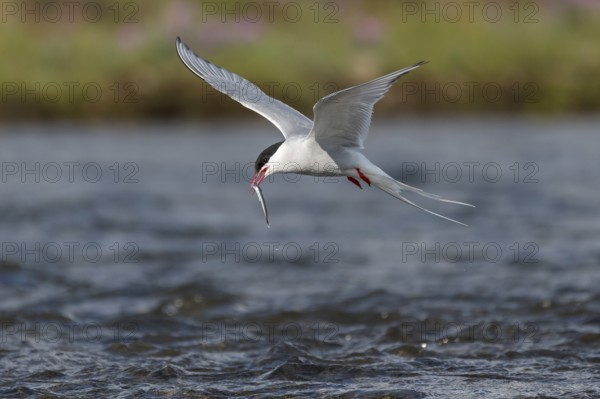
(343, 118)
(289, 121)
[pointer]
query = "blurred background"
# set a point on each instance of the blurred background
(106, 60)
(134, 263)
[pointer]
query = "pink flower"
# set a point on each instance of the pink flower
(368, 30)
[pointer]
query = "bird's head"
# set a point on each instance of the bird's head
(263, 165)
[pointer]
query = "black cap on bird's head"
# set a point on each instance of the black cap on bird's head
(265, 156)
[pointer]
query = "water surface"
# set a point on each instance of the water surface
(136, 264)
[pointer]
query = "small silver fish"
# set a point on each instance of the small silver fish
(263, 204)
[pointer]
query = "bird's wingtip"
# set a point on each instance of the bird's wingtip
(180, 43)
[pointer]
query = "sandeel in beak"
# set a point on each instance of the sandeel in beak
(263, 204)
(260, 170)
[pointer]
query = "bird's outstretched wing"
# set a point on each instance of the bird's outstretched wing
(284, 117)
(343, 118)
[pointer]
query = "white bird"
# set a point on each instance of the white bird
(329, 146)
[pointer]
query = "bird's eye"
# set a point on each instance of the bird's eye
(265, 160)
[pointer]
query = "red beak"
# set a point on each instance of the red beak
(259, 177)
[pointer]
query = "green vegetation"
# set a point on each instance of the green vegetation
(117, 59)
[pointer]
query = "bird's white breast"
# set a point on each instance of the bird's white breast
(305, 157)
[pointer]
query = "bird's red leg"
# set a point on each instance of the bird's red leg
(362, 176)
(353, 180)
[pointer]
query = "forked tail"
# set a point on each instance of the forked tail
(395, 188)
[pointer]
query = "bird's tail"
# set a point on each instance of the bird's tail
(394, 188)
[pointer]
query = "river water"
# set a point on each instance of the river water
(134, 263)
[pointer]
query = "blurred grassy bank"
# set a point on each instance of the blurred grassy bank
(106, 59)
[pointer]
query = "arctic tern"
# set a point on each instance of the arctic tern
(329, 146)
